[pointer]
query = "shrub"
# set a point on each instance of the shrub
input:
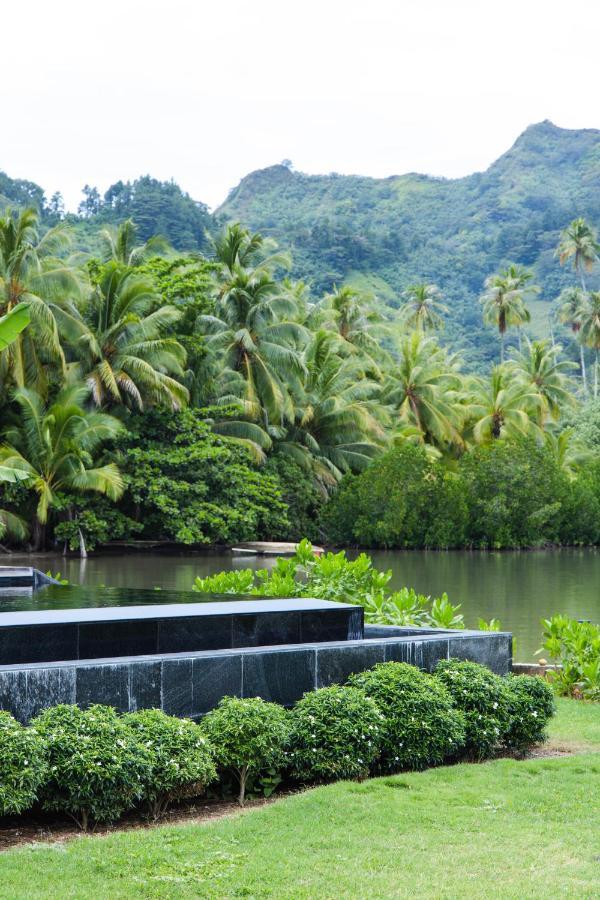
(180, 756)
(483, 699)
(420, 728)
(335, 733)
(97, 767)
(248, 737)
(576, 646)
(22, 765)
(531, 704)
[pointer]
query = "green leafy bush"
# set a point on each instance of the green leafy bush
(484, 701)
(575, 646)
(181, 762)
(248, 737)
(22, 765)
(96, 766)
(335, 733)
(421, 728)
(531, 705)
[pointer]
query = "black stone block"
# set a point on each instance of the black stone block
(105, 683)
(214, 677)
(49, 687)
(281, 676)
(491, 650)
(13, 693)
(39, 643)
(180, 635)
(144, 685)
(100, 640)
(335, 664)
(176, 687)
(266, 629)
(326, 625)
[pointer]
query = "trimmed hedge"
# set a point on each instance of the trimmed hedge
(531, 704)
(421, 727)
(23, 765)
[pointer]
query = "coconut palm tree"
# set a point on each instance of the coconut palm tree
(347, 312)
(52, 449)
(571, 310)
(578, 242)
(540, 369)
(31, 272)
(119, 244)
(569, 453)
(590, 330)
(501, 406)
(423, 307)
(504, 301)
(237, 248)
(423, 390)
(122, 344)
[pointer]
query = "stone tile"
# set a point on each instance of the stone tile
(266, 629)
(176, 687)
(13, 693)
(214, 677)
(144, 685)
(49, 687)
(406, 651)
(38, 643)
(105, 683)
(335, 664)
(100, 640)
(431, 651)
(491, 650)
(180, 635)
(326, 625)
(281, 676)
(356, 624)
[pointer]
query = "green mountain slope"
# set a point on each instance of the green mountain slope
(386, 233)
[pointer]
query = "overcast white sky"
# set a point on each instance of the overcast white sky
(204, 92)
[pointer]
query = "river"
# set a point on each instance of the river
(519, 589)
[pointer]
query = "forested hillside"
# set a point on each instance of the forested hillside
(388, 233)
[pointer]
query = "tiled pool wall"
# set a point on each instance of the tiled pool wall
(192, 683)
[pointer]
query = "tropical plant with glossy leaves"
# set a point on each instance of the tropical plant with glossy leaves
(501, 406)
(504, 301)
(53, 448)
(539, 367)
(31, 272)
(123, 343)
(423, 307)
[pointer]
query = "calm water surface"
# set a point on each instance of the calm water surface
(517, 588)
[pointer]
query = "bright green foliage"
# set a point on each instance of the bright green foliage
(531, 704)
(403, 500)
(421, 728)
(189, 485)
(575, 647)
(22, 765)
(335, 733)
(97, 766)
(483, 699)
(13, 323)
(181, 763)
(249, 737)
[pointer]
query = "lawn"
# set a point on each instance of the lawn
(502, 829)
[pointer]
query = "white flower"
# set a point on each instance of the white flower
(495, 706)
(534, 714)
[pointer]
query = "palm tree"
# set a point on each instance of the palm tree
(569, 453)
(119, 245)
(122, 344)
(578, 242)
(13, 323)
(501, 407)
(539, 368)
(424, 391)
(31, 272)
(236, 248)
(336, 428)
(423, 308)
(572, 307)
(348, 313)
(52, 449)
(504, 300)
(590, 330)
(253, 334)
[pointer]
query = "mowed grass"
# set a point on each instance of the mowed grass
(502, 829)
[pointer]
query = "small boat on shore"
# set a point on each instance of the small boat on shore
(268, 548)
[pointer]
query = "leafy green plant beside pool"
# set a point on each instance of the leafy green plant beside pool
(575, 647)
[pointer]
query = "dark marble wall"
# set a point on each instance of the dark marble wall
(190, 684)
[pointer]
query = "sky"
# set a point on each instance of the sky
(205, 92)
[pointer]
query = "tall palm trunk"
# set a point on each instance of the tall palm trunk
(581, 348)
(502, 335)
(596, 375)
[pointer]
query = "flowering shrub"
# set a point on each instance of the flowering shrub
(335, 733)
(531, 704)
(484, 700)
(22, 765)
(97, 767)
(248, 737)
(421, 728)
(181, 763)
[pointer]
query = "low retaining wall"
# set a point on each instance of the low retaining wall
(190, 684)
